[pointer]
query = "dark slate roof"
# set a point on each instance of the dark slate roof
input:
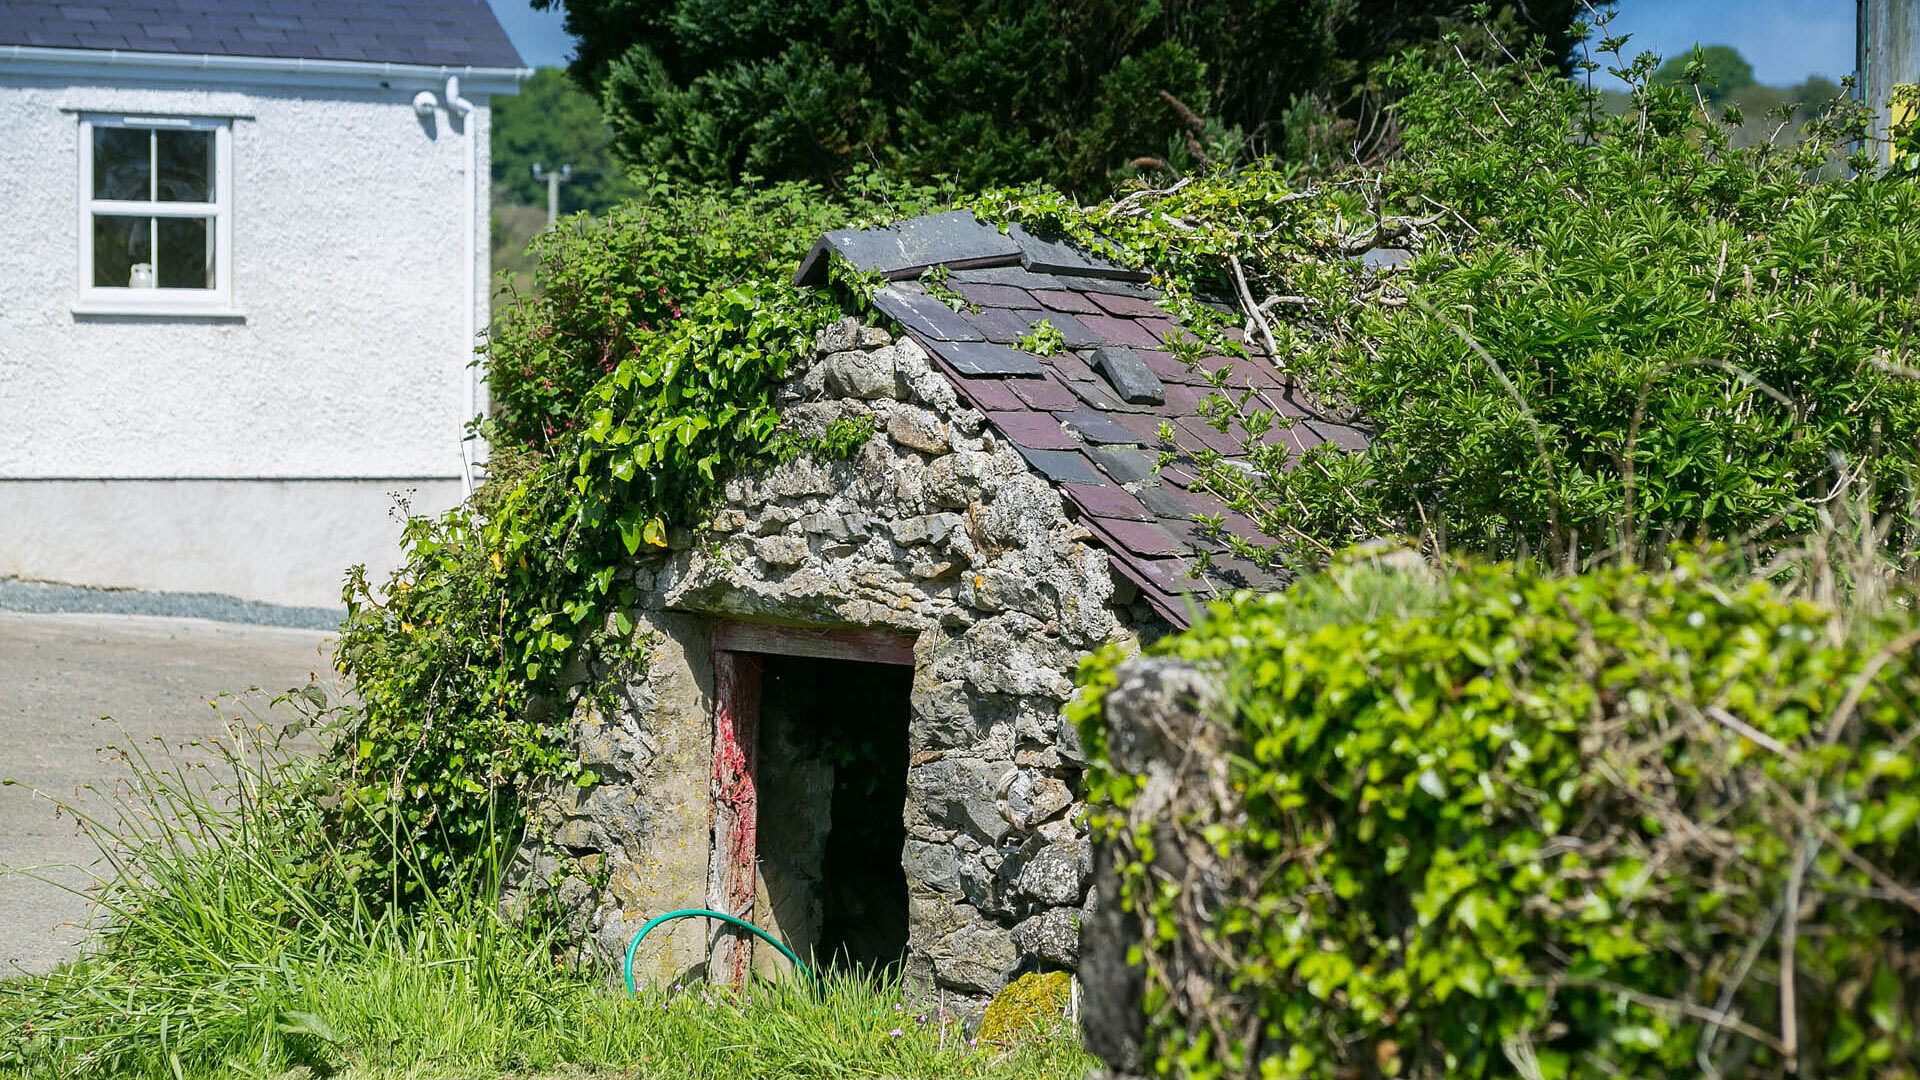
(1088, 418)
(452, 33)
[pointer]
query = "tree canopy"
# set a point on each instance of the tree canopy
(987, 91)
(552, 123)
(1721, 70)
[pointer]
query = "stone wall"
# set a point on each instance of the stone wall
(935, 528)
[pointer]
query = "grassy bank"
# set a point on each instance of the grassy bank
(232, 946)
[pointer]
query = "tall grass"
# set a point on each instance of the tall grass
(232, 945)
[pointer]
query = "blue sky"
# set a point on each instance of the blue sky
(1786, 40)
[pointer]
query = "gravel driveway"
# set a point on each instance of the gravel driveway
(60, 674)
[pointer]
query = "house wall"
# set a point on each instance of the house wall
(938, 530)
(251, 455)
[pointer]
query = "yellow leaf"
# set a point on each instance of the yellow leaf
(655, 533)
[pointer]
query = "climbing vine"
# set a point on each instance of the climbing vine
(628, 387)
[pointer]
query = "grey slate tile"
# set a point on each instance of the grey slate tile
(1062, 466)
(1127, 464)
(914, 309)
(1129, 376)
(984, 358)
(1054, 255)
(1096, 427)
(1002, 324)
(954, 239)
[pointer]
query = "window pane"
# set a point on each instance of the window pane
(121, 162)
(120, 244)
(186, 253)
(185, 160)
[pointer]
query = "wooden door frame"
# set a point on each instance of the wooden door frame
(733, 868)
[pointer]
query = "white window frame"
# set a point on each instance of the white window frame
(109, 300)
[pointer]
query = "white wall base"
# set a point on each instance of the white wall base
(276, 541)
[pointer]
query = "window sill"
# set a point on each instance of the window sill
(179, 309)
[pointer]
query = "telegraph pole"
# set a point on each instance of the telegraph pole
(554, 180)
(1886, 55)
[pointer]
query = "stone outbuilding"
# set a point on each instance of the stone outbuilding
(847, 727)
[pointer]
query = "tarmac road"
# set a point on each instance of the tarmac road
(60, 674)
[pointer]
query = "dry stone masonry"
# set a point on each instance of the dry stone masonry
(1004, 519)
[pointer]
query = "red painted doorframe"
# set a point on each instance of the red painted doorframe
(734, 867)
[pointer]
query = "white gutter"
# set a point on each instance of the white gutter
(460, 105)
(202, 69)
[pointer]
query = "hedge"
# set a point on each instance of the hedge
(1490, 821)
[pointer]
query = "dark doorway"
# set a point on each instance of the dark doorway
(832, 763)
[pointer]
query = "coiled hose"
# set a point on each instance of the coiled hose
(688, 913)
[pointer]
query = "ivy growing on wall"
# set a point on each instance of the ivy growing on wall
(627, 388)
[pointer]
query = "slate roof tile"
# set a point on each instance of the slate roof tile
(1005, 296)
(1062, 300)
(1062, 466)
(1128, 307)
(1065, 417)
(1107, 501)
(986, 358)
(909, 304)
(1127, 464)
(1033, 430)
(1071, 368)
(1044, 394)
(1143, 538)
(989, 394)
(1169, 367)
(1002, 325)
(436, 33)
(1120, 331)
(1096, 428)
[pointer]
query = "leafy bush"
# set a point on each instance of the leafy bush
(1614, 329)
(1626, 823)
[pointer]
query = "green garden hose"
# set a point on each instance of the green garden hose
(688, 913)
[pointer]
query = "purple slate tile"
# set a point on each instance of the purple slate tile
(1169, 367)
(1183, 400)
(1098, 394)
(1130, 307)
(1168, 575)
(989, 394)
(1044, 394)
(1062, 300)
(1071, 367)
(1106, 501)
(1062, 466)
(1163, 329)
(994, 296)
(1120, 331)
(984, 358)
(1032, 430)
(1193, 431)
(1094, 426)
(1142, 537)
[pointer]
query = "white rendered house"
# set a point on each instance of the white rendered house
(243, 268)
